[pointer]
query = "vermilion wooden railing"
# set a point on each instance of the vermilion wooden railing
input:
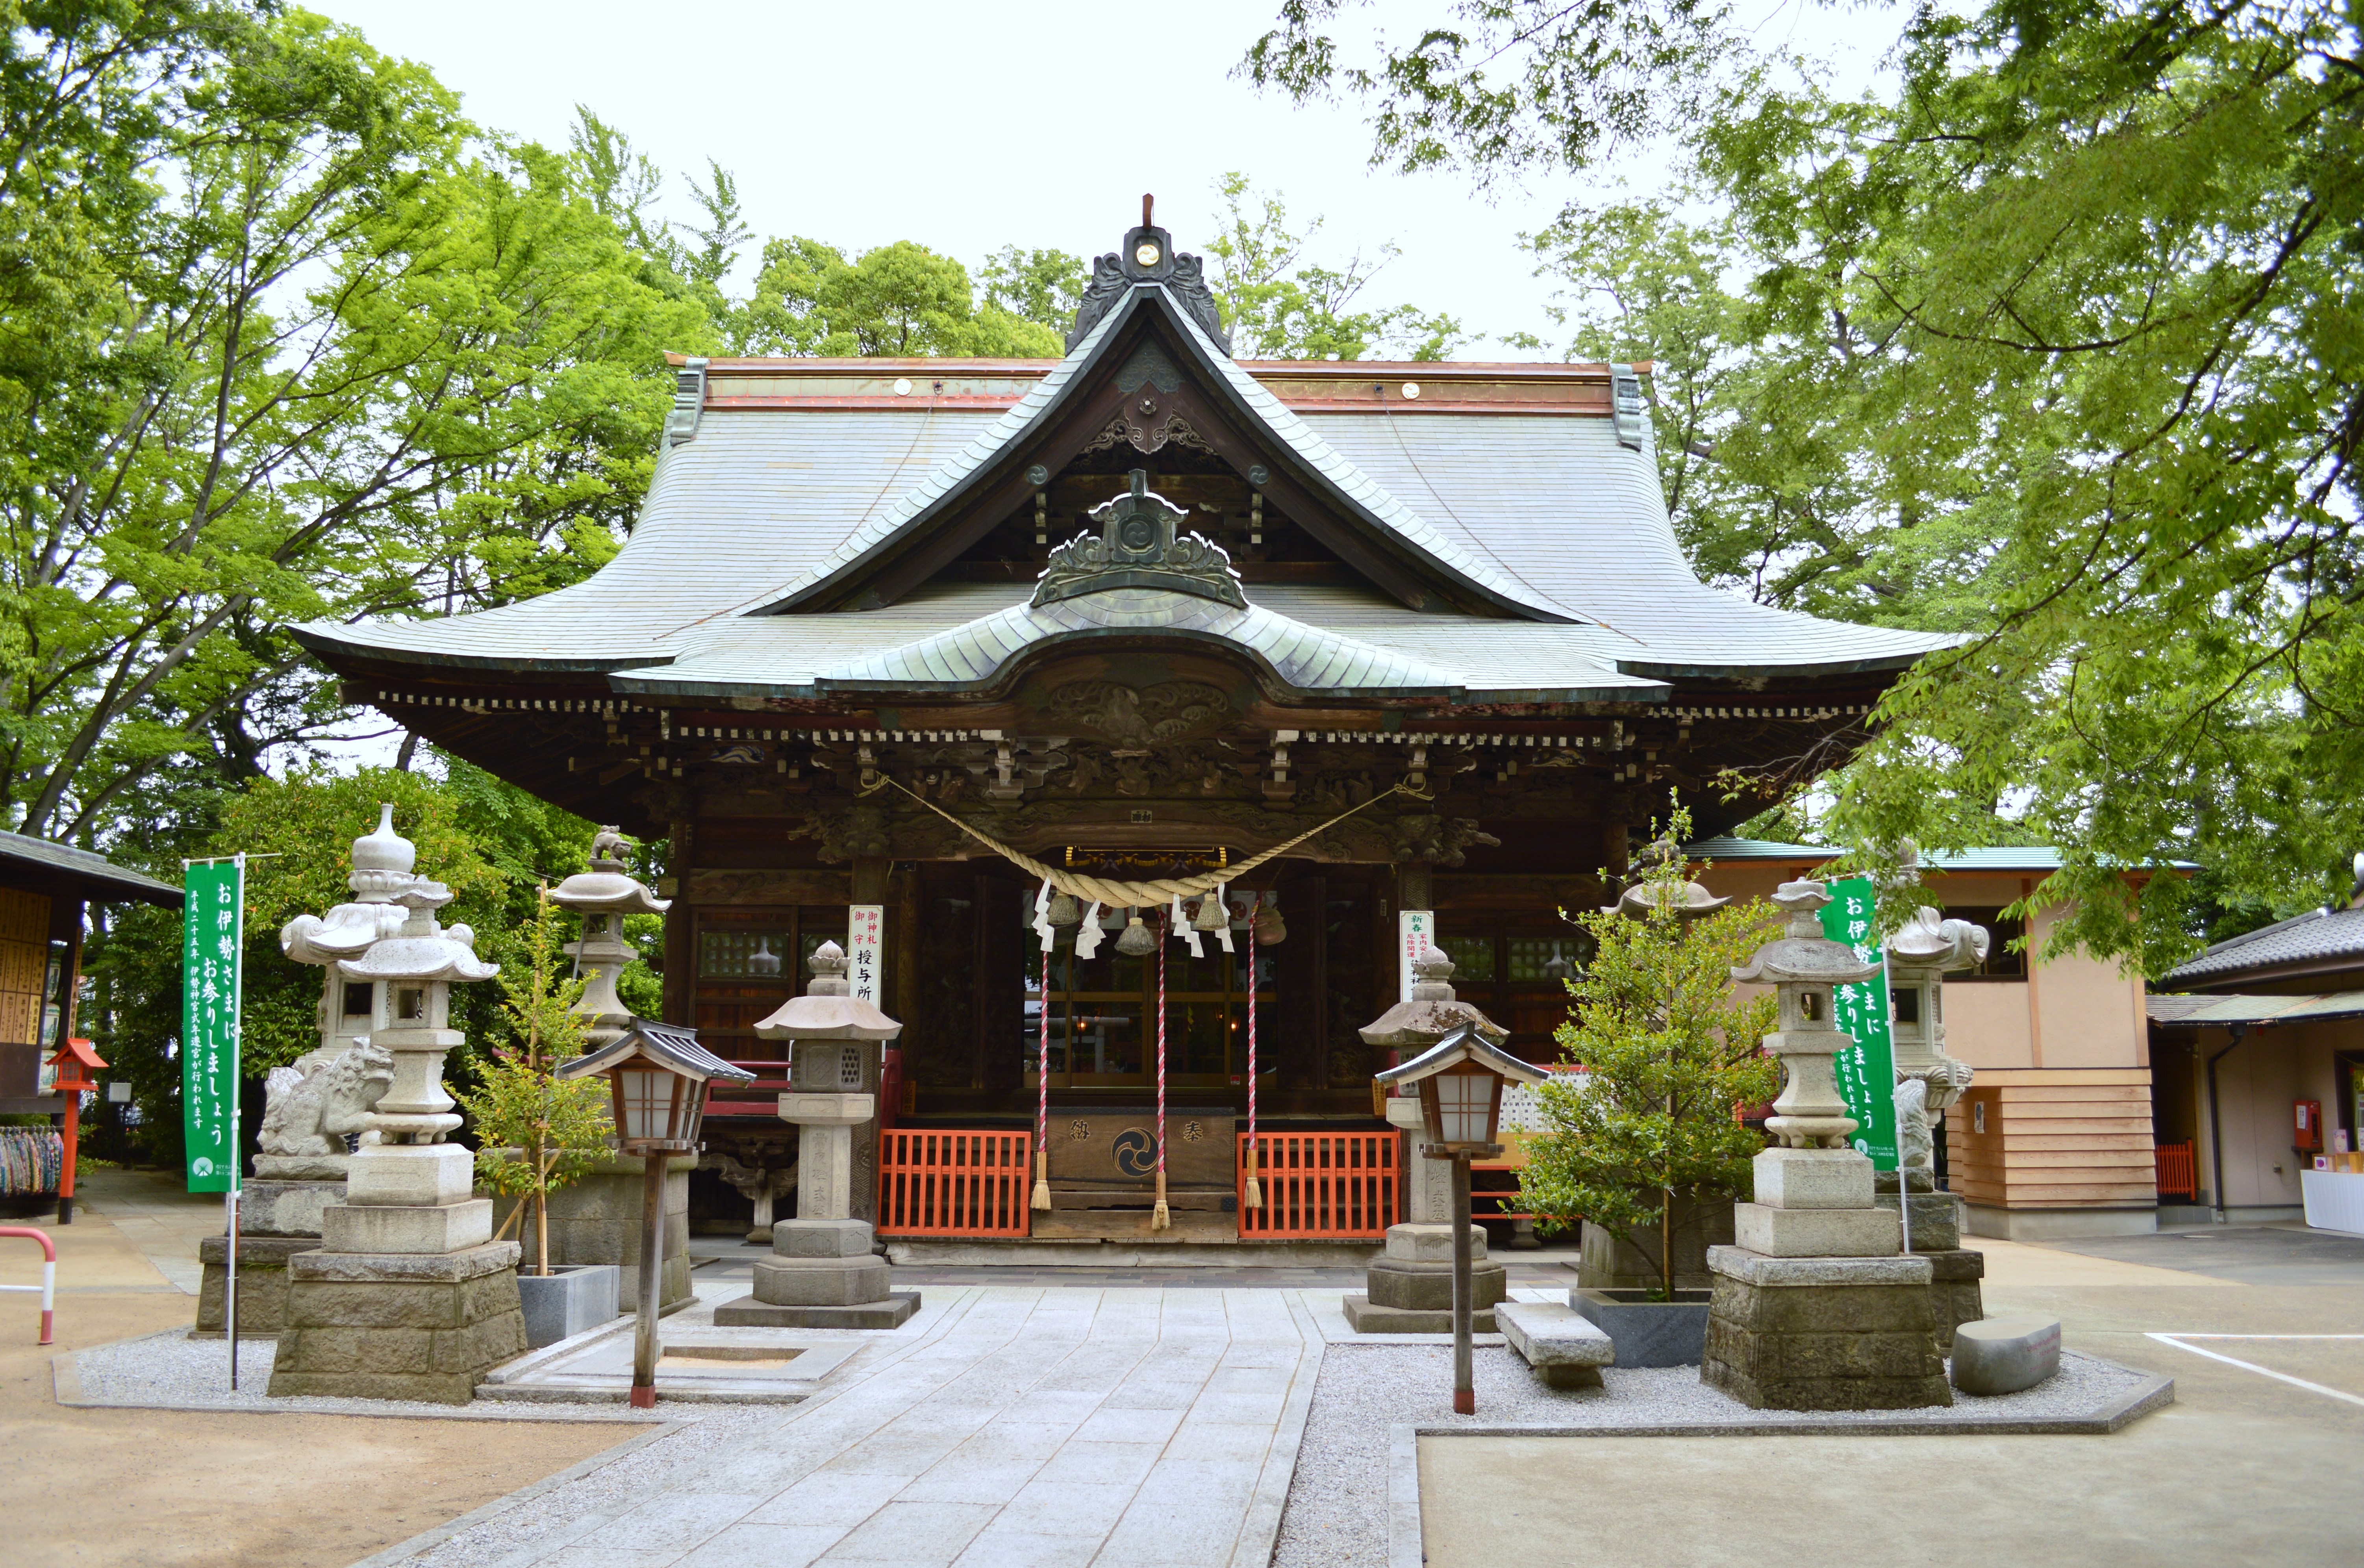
(2179, 1171)
(953, 1183)
(1323, 1186)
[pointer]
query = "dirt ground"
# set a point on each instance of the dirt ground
(151, 1488)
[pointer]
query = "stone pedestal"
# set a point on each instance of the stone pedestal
(1954, 1291)
(398, 1325)
(596, 1220)
(406, 1296)
(1822, 1333)
(276, 1219)
(1814, 1310)
(261, 1283)
(1408, 1288)
(1606, 1262)
(822, 1274)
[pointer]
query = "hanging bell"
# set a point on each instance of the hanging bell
(1210, 915)
(1558, 969)
(763, 960)
(1270, 932)
(1136, 939)
(1064, 909)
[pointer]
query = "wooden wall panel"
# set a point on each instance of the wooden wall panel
(2070, 1138)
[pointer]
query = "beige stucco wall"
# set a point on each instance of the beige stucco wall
(2075, 1013)
(2260, 1081)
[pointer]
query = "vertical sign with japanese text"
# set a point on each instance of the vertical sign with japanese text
(1415, 931)
(865, 929)
(1866, 1070)
(213, 927)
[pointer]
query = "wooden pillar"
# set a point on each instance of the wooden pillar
(1612, 847)
(680, 942)
(867, 885)
(1415, 885)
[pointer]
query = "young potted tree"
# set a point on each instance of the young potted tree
(539, 1131)
(1644, 1142)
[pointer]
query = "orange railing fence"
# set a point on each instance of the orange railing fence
(1323, 1186)
(2179, 1171)
(953, 1183)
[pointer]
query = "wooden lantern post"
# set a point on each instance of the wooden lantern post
(1460, 1082)
(658, 1075)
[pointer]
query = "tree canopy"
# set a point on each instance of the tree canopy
(2053, 343)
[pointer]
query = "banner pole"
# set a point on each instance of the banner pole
(237, 1129)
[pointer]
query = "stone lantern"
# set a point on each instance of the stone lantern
(1919, 957)
(1929, 1082)
(603, 896)
(1815, 1309)
(423, 1301)
(823, 1272)
(1408, 1288)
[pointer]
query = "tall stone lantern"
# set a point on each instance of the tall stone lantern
(315, 1102)
(603, 896)
(823, 1272)
(1815, 1309)
(407, 1296)
(1408, 1288)
(1928, 1083)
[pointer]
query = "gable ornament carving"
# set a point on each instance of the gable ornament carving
(1148, 256)
(1163, 714)
(1137, 547)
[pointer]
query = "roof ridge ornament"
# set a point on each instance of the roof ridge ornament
(1137, 547)
(1149, 256)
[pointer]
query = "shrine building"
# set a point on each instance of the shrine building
(1142, 612)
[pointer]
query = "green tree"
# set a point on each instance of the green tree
(1042, 286)
(306, 348)
(536, 1131)
(1669, 1053)
(2056, 345)
(898, 300)
(1280, 306)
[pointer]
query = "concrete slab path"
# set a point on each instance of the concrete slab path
(1004, 1426)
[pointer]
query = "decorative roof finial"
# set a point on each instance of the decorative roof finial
(1148, 202)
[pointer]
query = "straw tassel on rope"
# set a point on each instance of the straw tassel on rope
(1159, 1219)
(1254, 1197)
(1043, 1099)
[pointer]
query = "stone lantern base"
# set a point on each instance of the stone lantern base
(822, 1274)
(1409, 1289)
(1822, 1333)
(421, 1326)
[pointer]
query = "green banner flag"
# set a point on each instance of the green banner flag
(1867, 1073)
(213, 924)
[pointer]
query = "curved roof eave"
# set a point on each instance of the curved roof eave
(1321, 468)
(321, 637)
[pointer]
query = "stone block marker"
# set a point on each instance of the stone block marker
(1566, 1350)
(2003, 1355)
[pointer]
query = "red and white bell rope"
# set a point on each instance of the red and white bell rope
(1159, 1218)
(1043, 1097)
(1255, 1198)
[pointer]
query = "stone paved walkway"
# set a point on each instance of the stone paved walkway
(1013, 1425)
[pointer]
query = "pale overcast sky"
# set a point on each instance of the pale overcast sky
(967, 126)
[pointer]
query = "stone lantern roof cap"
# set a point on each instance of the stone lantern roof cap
(443, 956)
(1466, 1042)
(828, 1011)
(1804, 956)
(607, 887)
(1689, 901)
(669, 1046)
(1930, 942)
(1432, 1012)
(349, 931)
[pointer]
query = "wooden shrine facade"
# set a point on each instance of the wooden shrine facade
(1144, 610)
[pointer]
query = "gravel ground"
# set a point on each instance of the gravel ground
(1337, 1513)
(172, 1370)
